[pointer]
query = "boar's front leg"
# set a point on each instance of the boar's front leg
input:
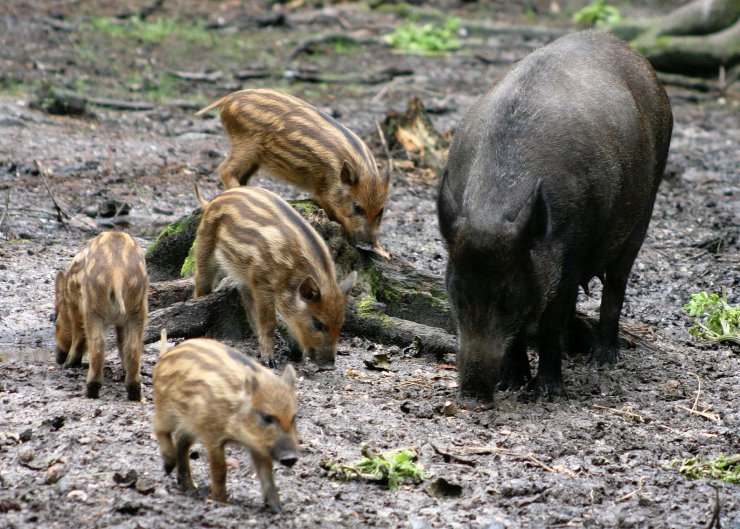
(264, 313)
(76, 350)
(515, 371)
(217, 464)
(263, 466)
(552, 333)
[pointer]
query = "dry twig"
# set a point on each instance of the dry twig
(5, 211)
(61, 213)
(630, 494)
(623, 412)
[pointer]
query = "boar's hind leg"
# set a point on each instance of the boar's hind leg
(606, 346)
(238, 166)
(206, 266)
(263, 466)
(96, 347)
(515, 371)
(183, 442)
(130, 343)
(167, 450)
(217, 464)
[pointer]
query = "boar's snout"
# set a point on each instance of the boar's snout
(324, 360)
(288, 460)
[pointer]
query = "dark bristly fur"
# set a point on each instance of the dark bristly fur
(206, 391)
(106, 284)
(281, 264)
(304, 146)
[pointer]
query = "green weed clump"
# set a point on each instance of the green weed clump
(155, 30)
(391, 468)
(597, 13)
(726, 468)
(426, 38)
(714, 319)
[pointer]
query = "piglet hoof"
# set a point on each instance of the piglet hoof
(134, 392)
(513, 381)
(72, 362)
(273, 505)
(267, 361)
(168, 468)
(61, 356)
(93, 389)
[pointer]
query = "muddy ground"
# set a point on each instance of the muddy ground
(597, 459)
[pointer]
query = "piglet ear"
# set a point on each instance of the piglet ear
(289, 375)
(309, 290)
(349, 281)
(347, 176)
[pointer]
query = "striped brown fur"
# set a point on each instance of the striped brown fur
(204, 390)
(106, 284)
(304, 146)
(281, 264)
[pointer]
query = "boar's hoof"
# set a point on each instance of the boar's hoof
(603, 353)
(93, 389)
(134, 392)
(168, 468)
(550, 390)
(71, 362)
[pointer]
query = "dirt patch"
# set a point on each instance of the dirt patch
(597, 459)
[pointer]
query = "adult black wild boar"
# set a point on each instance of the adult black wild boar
(550, 181)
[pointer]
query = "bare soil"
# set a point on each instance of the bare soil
(596, 459)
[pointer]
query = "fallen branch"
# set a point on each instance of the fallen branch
(7, 204)
(209, 77)
(137, 106)
(381, 76)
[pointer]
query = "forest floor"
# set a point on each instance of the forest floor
(600, 458)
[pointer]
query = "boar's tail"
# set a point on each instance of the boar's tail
(163, 342)
(203, 203)
(203, 111)
(116, 295)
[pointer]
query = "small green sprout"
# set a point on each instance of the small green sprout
(714, 318)
(427, 38)
(597, 13)
(391, 468)
(726, 468)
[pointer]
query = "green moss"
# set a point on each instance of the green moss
(188, 265)
(172, 229)
(366, 309)
(307, 207)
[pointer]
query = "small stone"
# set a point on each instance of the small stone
(63, 486)
(54, 473)
(162, 209)
(25, 454)
(26, 435)
(449, 409)
(78, 495)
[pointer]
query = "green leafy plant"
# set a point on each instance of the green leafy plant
(426, 38)
(155, 30)
(597, 13)
(714, 318)
(726, 468)
(391, 468)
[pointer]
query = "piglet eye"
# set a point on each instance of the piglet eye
(317, 325)
(266, 419)
(357, 210)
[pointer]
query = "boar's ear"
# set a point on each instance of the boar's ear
(385, 175)
(309, 290)
(349, 281)
(347, 176)
(447, 210)
(533, 220)
(289, 375)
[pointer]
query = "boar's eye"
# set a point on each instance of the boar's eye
(317, 325)
(265, 418)
(357, 210)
